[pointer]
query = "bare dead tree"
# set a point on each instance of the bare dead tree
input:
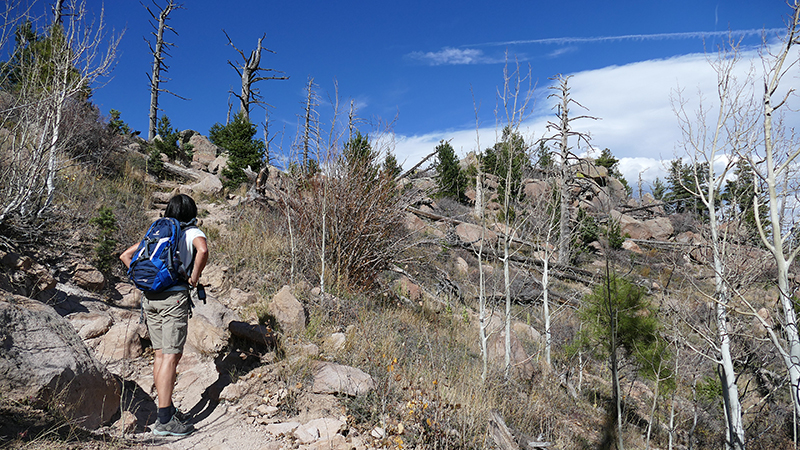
(776, 172)
(249, 70)
(563, 133)
(711, 143)
(159, 51)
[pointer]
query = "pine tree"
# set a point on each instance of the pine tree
(450, 179)
(510, 153)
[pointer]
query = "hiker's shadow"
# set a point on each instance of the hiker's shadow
(209, 399)
(231, 362)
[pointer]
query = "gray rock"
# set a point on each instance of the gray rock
(43, 359)
(204, 337)
(334, 343)
(203, 150)
(331, 378)
(283, 428)
(219, 164)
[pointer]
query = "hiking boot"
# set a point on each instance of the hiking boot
(172, 428)
(182, 416)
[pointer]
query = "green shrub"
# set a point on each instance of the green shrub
(238, 138)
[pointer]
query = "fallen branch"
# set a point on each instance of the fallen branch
(416, 166)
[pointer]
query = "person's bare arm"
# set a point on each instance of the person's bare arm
(200, 259)
(127, 255)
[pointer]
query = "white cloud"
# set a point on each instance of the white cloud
(637, 121)
(636, 37)
(450, 56)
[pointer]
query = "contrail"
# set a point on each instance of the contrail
(631, 37)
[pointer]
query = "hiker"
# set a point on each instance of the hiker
(167, 313)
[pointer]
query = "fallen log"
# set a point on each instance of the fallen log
(182, 172)
(500, 433)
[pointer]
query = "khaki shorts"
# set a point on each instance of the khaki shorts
(167, 320)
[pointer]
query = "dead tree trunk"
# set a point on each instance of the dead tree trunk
(159, 52)
(311, 123)
(562, 134)
(248, 71)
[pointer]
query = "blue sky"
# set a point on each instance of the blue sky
(419, 64)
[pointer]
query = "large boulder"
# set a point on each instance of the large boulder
(43, 360)
(630, 226)
(122, 341)
(591, 170)
(659, 228)
(522, 368)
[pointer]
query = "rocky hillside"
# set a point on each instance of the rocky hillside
(272, 361)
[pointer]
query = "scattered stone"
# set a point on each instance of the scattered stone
(378, 433)
(282, 429)
(267, 410)
(233, 392)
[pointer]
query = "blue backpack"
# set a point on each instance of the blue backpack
(156, 265)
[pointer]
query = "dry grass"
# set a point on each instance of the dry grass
(427, 368)
(256, 240)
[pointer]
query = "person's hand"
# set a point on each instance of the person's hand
(193, 281)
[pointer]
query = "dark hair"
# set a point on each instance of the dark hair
(181, 207)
